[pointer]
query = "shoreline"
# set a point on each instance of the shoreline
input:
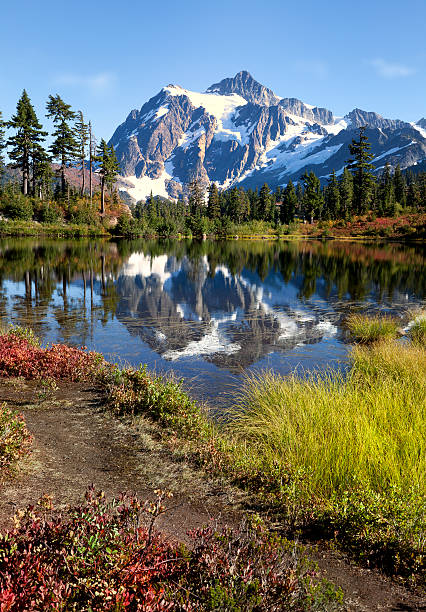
(184, 427)
(364, 230)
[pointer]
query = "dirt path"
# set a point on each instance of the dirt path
(77, 444)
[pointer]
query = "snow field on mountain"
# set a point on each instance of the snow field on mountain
(142, 187)
(221, 107)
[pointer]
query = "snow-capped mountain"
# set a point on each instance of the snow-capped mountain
(241, 132)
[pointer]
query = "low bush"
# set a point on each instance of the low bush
(15, 439)
(130, 391)
(251, 228)
(104, 556)
(21, 355)
(19, 207)
(367, 329)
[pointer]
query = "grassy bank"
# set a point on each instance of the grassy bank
(51, 230)
(408, 227)
(339, 458)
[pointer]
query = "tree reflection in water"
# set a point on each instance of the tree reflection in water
(230, 304)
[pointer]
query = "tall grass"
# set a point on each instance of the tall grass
(417, 332)
(368, 329)
(366, 429)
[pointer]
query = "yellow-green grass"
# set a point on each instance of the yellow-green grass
(366, 429)
(368, 329)
(417, 332)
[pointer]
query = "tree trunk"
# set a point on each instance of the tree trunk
(83, 179)
(25, 179)
(90, 161)
(102, 195)
(63, 181)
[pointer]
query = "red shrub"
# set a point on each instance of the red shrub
(21, 357)
(99, 557)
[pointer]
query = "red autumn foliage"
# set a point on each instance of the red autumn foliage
(21, 357)
(101, 556)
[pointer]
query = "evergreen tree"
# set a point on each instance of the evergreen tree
(399, 186)
(299, 195)
(266, 207)
(239, 205)
(29, 134)
(253, 197)
(413, 193)
(346, 189)
(82, 134)
(213, 204)
(108, 169)
(195, 199)
(278, 194)
(386, 193)
(64, 147)
(244, 206)
(289, 203)
(362, 170)
(41, 170)
(2, 146)
(313, 201)
(332, 198)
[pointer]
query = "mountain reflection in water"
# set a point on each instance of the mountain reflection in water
(207, 310)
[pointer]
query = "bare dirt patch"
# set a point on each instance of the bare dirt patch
(77, 444)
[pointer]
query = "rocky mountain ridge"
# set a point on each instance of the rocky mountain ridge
(239, 132)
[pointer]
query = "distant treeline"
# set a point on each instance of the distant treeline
(45, 196)
(357, 190)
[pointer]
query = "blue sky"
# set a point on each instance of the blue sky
(106, 58)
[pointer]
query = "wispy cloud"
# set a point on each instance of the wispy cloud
(96, 83)
(391, 70)
(315, 68)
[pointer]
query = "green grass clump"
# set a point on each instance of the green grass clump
(417, 332)
(368, 329)
(56, 230)
(349, 450)
(368, 429)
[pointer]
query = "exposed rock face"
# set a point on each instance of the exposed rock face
(358, 117)
(313, 113)
(240, 132)
(245, 86)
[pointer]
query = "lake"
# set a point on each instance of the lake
(208, 311)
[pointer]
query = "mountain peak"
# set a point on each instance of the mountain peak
(359, 117)
(247, 87)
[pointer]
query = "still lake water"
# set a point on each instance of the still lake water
(208, 311)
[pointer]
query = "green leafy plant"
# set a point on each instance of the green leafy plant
(15, 439)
